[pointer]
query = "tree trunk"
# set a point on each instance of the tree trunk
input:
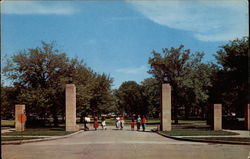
(176, 114)
(187, 111)
(63, 117)
(55, 117)
(82, 117)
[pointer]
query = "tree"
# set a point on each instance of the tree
(40, 75)
(151, 88)
(101, 101)
(8, 98)
(131, 98)
(195, 86)
(230, 80)
(183, 71)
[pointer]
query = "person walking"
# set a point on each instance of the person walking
(86, 121)
(122, 121)
(132, 124)
(143, 122)
(96, 123)
(103, 124)
(138, 122)
(117, 122)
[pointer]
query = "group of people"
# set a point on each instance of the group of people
(119, 122)
(140, 122)
(103, 123)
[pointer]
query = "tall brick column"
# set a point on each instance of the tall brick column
(166, 108)
(217, 117)
(247, 116)
(19, 109)
(71, 108)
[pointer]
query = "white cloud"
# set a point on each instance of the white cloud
(37, 7)
(206, 20)
(139, 70)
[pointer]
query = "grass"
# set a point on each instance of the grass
(7, 123)
(195, 132)
(18, 138)
(38, 132)
(192, 122)
(239, 139)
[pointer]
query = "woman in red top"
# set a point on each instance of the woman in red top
(132, 124)
(143, 122)
(122, 121)
(96, 123)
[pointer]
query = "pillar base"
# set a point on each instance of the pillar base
(73, 128)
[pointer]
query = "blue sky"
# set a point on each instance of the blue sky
(117, 37)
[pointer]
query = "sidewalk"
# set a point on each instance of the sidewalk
(242, 133)
(7, 130)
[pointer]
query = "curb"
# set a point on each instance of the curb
(38, 140)
(202, 140)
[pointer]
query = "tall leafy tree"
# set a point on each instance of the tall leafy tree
(40, 75)
(184, 73)
(231, 77)
(101, 101)
(7, 106)
(131, 99)
(151, 90)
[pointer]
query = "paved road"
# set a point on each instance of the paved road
(122, 144)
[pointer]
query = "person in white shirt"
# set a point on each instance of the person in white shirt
(138, 122)
(103, 124)
(117, 122)
(86, 121)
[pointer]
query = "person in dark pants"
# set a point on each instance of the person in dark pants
(86, 120)
(132, 124)
(143, 122)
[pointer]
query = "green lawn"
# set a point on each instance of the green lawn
(240, 139)
(192, 122)
(7, 123)
(39, 132)
(195, 132)
(18, 138)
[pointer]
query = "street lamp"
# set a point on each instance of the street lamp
(70, 78)
(165, 77)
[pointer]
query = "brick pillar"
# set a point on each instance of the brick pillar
(166, 108)
(247, 116)
(71, 108)
(217, 117)
(19, 109)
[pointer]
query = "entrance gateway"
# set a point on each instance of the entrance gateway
(165, 117)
